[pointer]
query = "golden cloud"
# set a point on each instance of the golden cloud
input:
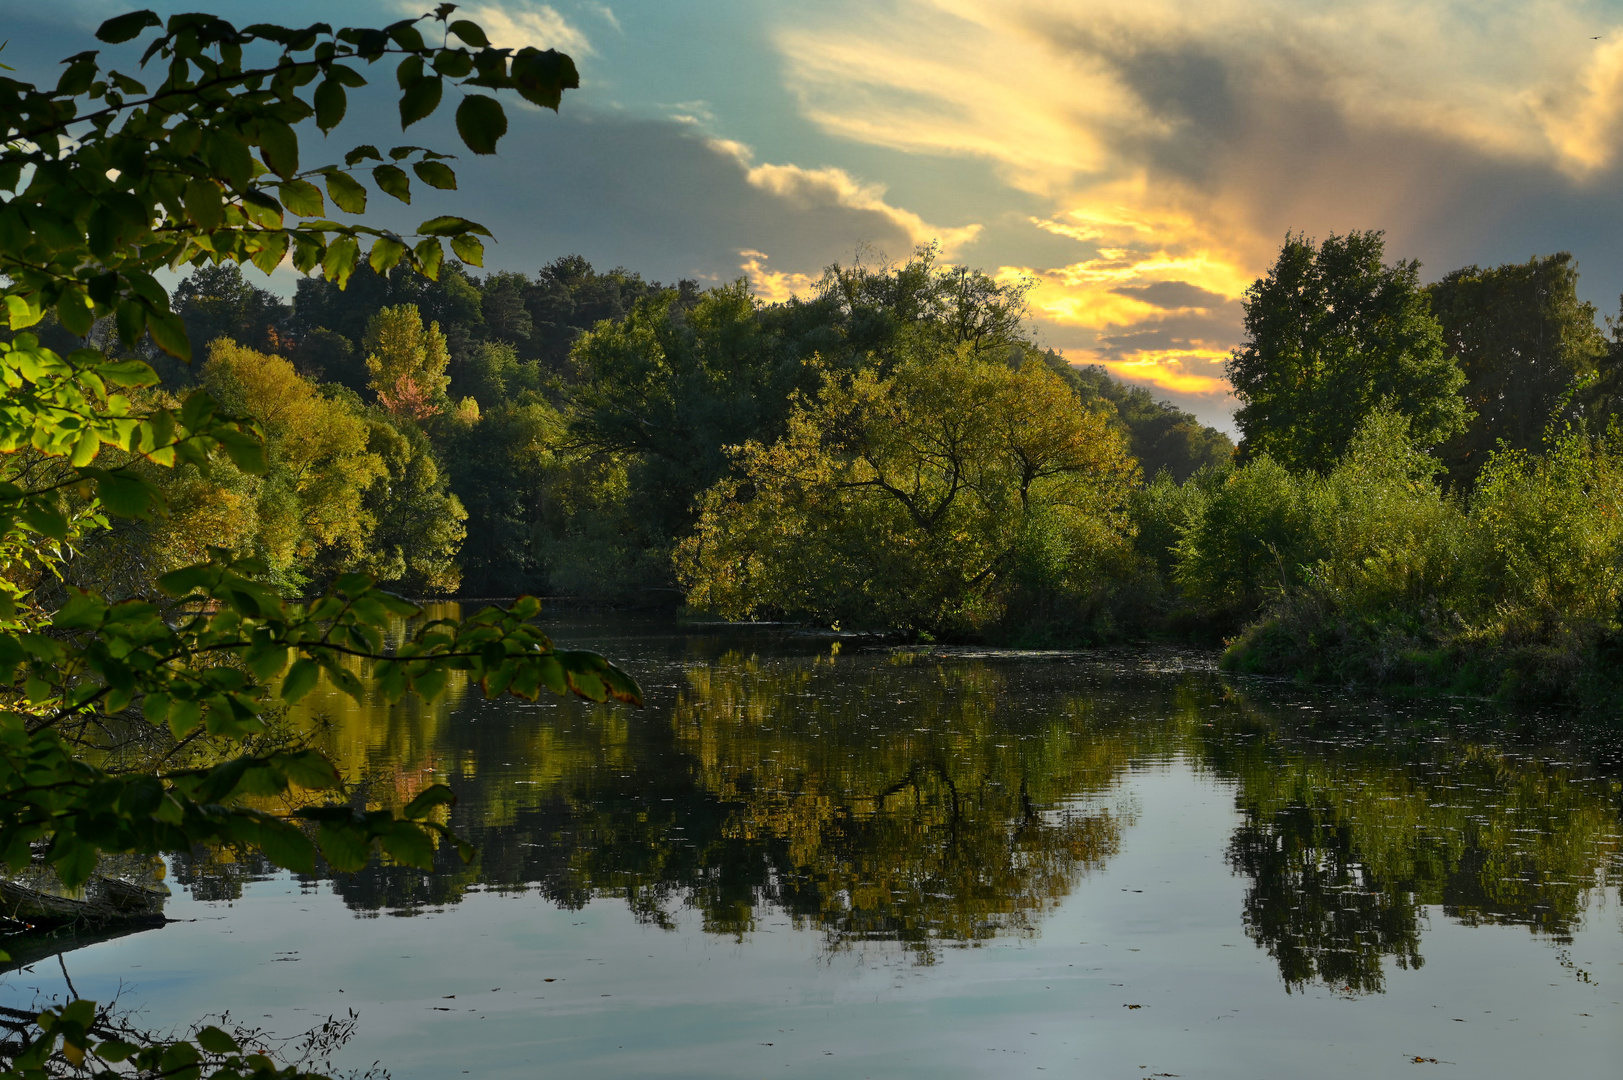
(772, 286)
(1171, 138)
(1182, 371)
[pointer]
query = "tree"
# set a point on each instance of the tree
(674, 385)
(215, 302)
(1524, 340)
(1332, 333)
(407, 363)
(912, 499)
(122, 180)
(310, 517)
(1160, 435)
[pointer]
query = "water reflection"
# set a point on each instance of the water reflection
(941, 800)
(1349, 835)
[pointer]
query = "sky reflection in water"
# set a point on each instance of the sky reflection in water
(934, 863)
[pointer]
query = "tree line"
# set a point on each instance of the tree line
(560, 433)
(1424, 488)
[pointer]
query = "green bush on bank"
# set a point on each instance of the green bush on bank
(1382, 577)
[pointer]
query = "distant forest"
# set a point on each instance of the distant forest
(1428, 488)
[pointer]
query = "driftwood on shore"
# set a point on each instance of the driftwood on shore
(125, 890)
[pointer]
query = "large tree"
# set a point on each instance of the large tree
(1523, 339)
(1332, 333)
(915, 498)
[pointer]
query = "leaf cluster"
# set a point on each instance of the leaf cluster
(107, 177)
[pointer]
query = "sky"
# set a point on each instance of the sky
(1140, 163)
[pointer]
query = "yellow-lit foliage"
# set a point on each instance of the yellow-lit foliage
(407, 362)
(310, 506)
(915, 497)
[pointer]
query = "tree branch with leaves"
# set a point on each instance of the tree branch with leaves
(105, 180)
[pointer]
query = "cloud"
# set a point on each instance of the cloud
(1176, 141)
(515, 25)
(773, 286)
(828, 186)
(652, 195)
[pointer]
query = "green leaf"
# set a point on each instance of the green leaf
(300, 679)
(345, 844)
(469, 32)
(449, 225)
(409, 844)
(364, 152)
(386, 253)
(131, 319)
(23, 311)
(339, 262)
(542, 77)
(310, 769)
(435, 174)
(429, 257)
(220, 782)
(73, 312)
(286, 845)
(427, 799)
(74, 859)
(481, 123)
(124, 494)
(279, 146)
(392, 180)
(331, 102)
(346, 192)
(83, 611)
(470, 249)
(262, 210)
(246, 451)
(169, 332)
(420, 98)
(187, 580)
(216, 1041)
(122, 28)
(303, 198)
(44, 520)
(128, 373)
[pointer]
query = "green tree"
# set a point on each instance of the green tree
(107, 180)
(673, 385)
(1332, 333)
(911, 499)
(309, 519)
(1160, 435)
(407, 362)
(215, 302)
(1523, 339)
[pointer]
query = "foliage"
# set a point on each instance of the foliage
(910, 499)
(202, 169)
(1247, 539)
(308, 517)
(1523, 339)
(407, 363)
(108, 178)
(1332, 334)
(1385, 577)
(419, 520)
(1159, 434)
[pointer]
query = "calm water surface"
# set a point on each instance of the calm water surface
(935, 864)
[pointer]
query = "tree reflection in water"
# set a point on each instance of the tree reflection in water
(942, 800)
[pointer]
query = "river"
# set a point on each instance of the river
(810, 859)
